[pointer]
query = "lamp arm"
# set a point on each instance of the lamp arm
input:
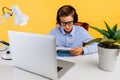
(3, 10)
(3, 42)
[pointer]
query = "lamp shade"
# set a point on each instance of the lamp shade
(19, 18)
(4, 17)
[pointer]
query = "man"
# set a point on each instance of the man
(71, 36)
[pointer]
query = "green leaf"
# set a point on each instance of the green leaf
(104, 39)
(114, 29)
(111, 40)
(95, 40)
(108, 28)
(117, 33)
(103, 32)
(117, 37)
(118, 41)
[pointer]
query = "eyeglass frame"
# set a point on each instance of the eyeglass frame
(69, 23)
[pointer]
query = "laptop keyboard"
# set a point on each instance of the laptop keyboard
(59, 68)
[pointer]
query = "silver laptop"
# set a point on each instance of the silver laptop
(36, 53)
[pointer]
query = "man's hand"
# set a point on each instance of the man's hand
(76, 51)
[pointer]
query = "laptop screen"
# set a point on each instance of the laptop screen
(34, 52)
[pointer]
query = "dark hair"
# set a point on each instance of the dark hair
(66, 10)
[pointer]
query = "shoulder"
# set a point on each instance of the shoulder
(55, 30)
(79, 28)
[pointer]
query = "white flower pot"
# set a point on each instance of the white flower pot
(107, 58)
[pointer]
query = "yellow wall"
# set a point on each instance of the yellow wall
(42, 14)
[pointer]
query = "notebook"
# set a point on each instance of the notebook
(36, 53)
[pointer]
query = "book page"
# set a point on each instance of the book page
(63, 48)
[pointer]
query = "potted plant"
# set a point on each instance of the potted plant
(108, 46)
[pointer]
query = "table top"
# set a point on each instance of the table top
(86, 68)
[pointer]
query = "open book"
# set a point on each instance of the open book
(62, 49)
(63, 52)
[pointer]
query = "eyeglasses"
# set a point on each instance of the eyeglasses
(70, 23)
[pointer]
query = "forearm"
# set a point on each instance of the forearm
(92, 48)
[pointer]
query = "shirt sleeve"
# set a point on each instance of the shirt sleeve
(51, 32)
(91, 48)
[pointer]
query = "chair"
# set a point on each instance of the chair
(82, 24)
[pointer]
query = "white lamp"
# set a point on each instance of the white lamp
(19, 19)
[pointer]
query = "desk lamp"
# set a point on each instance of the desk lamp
(19, 19)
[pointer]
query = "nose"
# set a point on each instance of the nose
(67, 26)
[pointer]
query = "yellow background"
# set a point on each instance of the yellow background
(42, 14)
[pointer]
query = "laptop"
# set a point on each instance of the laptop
(36, 53)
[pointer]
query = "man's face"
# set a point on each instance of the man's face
(67, 23)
